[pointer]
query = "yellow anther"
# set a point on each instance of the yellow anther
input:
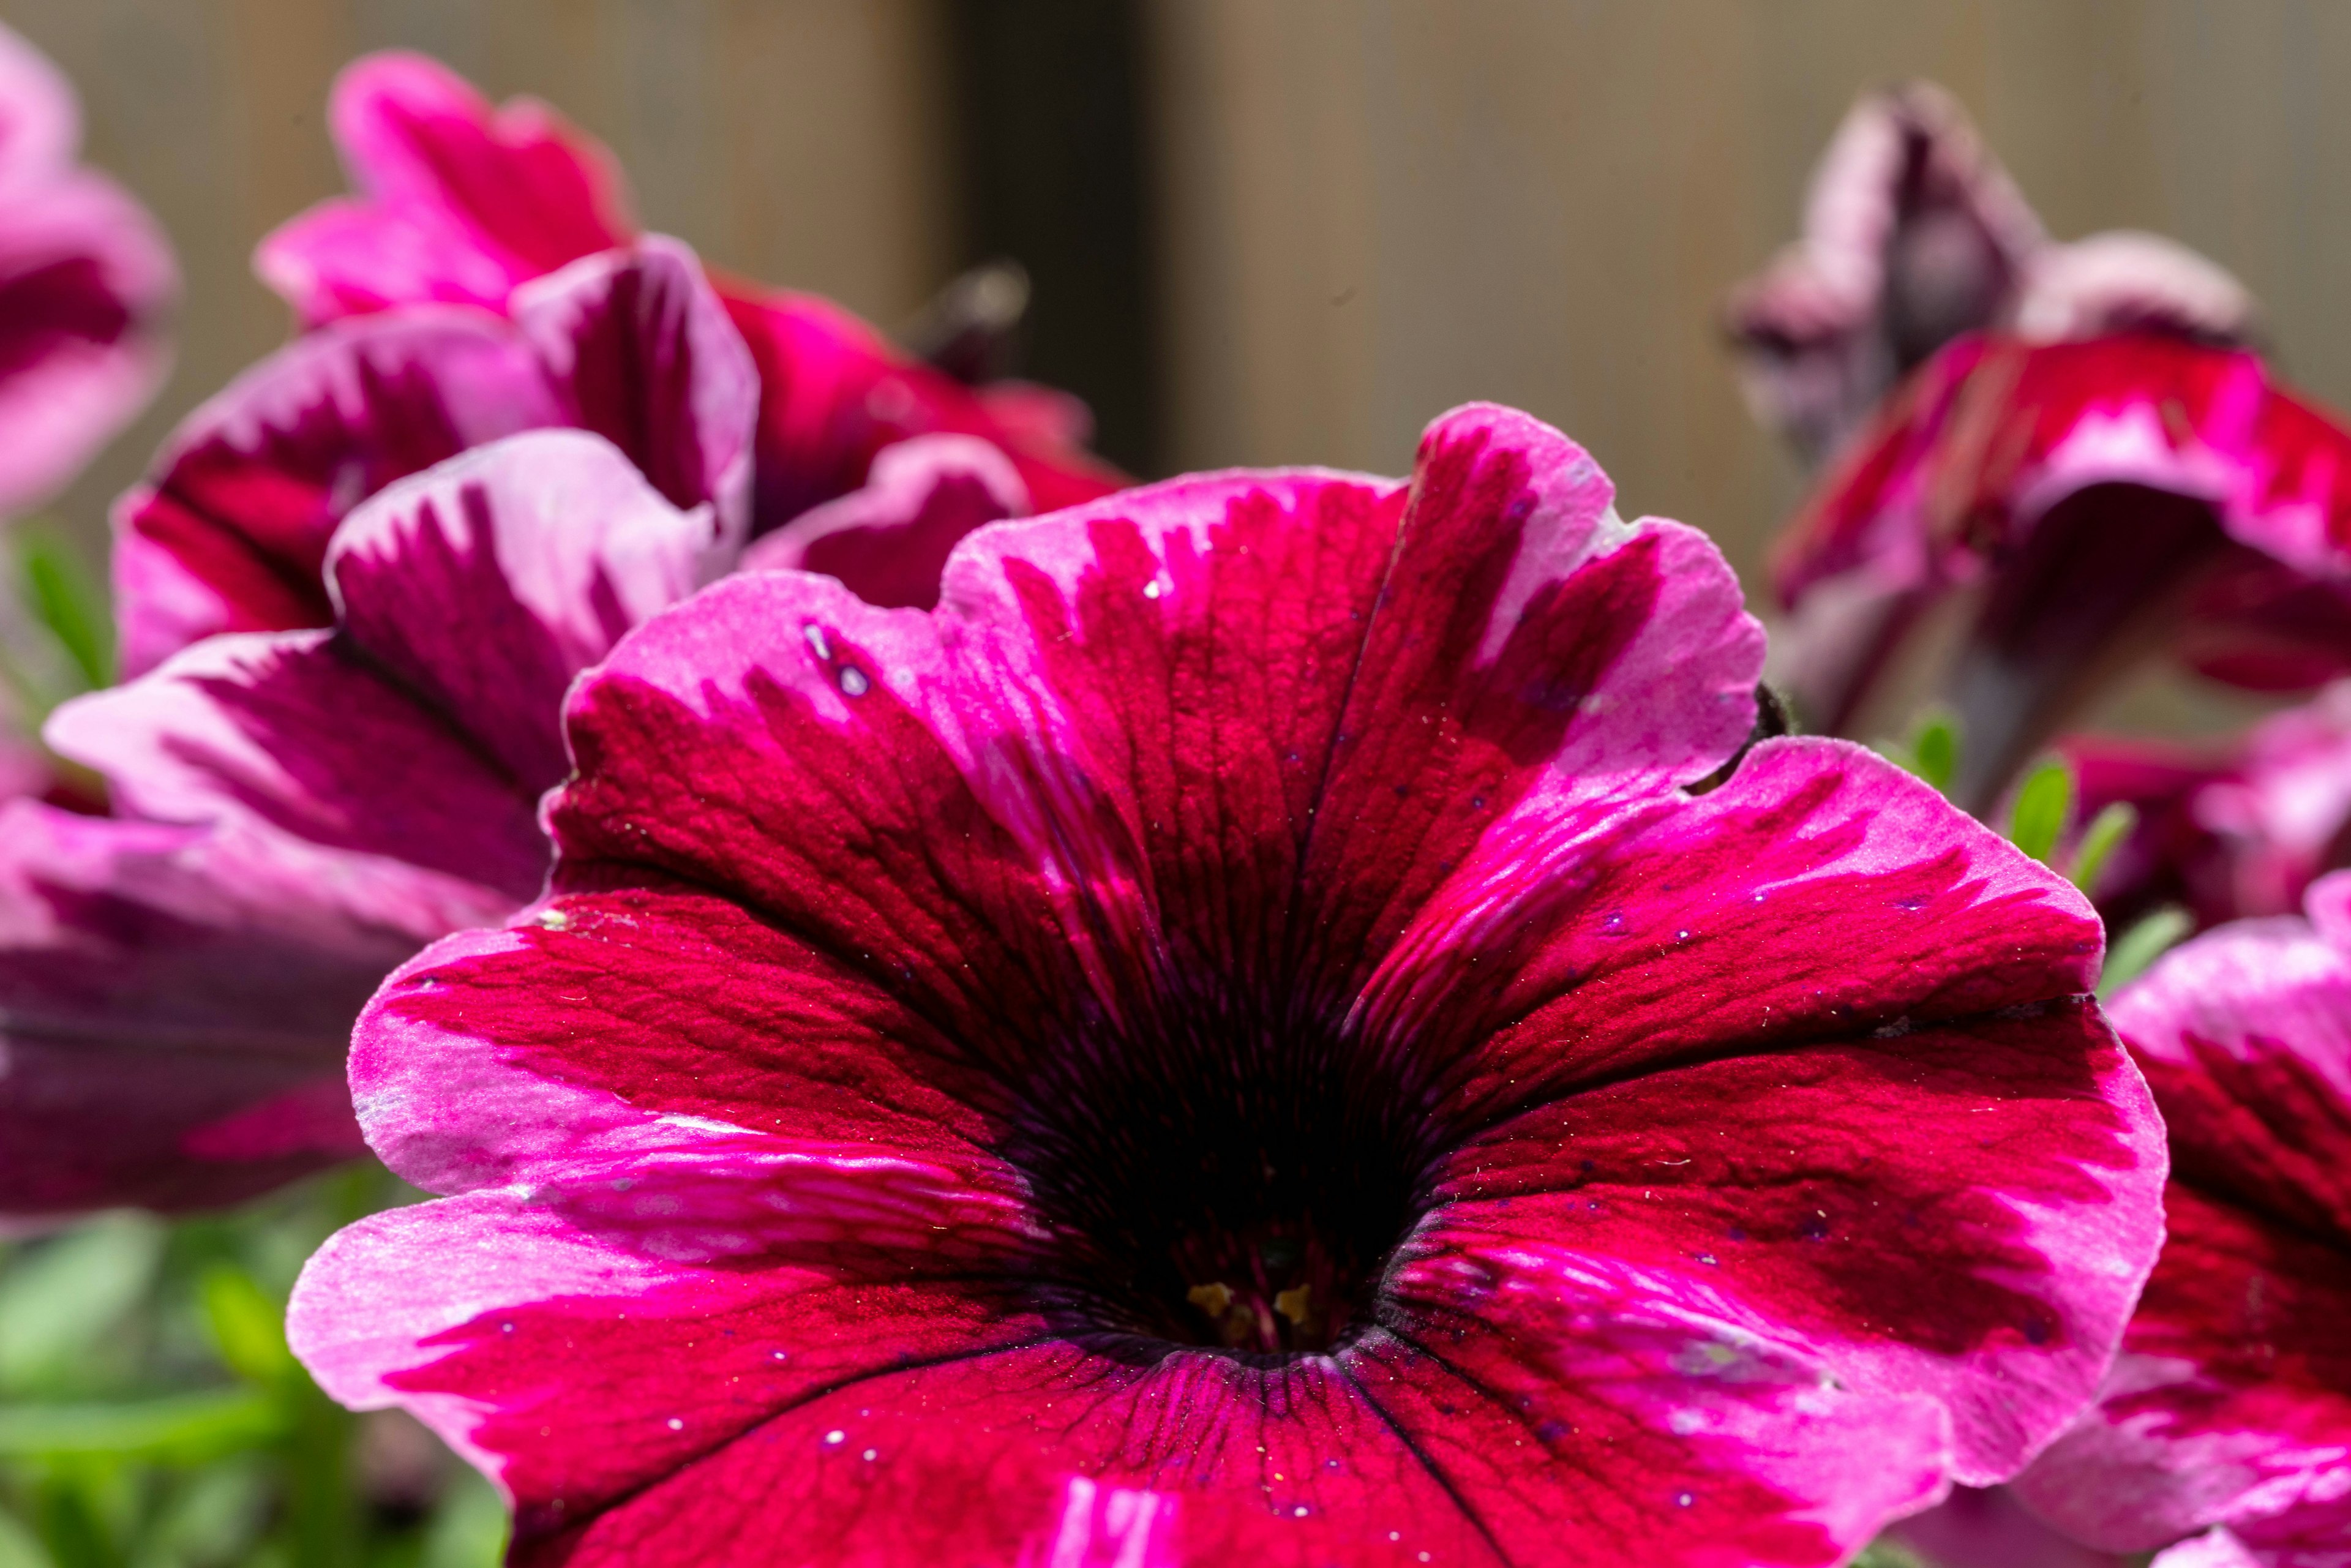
(1210, 1298)
(1292, 1305)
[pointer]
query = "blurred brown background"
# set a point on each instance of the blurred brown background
(1276, 230)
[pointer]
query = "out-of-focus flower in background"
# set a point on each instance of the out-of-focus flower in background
(87, 283)
(229, 531)
(2082, 506)
(1913, 235)
(298, 811)
(2226, 829)
(2230, 1403)
(1231, 1041)
(459, 199)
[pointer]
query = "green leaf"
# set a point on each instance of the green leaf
(2043, 802)
(62, 1298)
(176, 1428)
(247, 1327)
(2128, 955)
(2106, 832)
(1935, 747)
(66, 597)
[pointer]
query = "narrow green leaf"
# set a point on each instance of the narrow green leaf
(65, 595)
(176, 1428)
(2128, 955)
(2106, 832)
(1935, 747)
(247, 1327)
(2043, 802)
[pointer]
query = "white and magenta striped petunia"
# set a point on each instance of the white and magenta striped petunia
(229, 531)
(302, 811)
(1913, 235)
(2230, 1406)
(87, 280)
(459, 199)
(2111, 498)
(1235, 1038)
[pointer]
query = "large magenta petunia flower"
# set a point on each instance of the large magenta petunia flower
(2105, 499)
(1913, 235)
(86, 280)
(2230, 1403)
(229, 531)
(459, 199)
(1234, 1038)
(301, 811)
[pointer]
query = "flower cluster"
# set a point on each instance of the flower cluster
(948, 1009)
(2068, 465)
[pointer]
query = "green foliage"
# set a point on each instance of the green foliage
(1931, 750)
(2099, 841)
(2129, 953)
(69, 601)
(2045, 807)
(151, 1417)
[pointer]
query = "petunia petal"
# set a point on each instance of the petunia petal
(297, 732)
(1810, 1198)
(351, 256)
(889, 541)
(1669, 1435)
(1513, 677)
(1913, 234)
(2125, 281)
(643, 354)
(507, 193)
(486, 583)
(834, 392)
(174, 1005)
(85, 279)
(1696, 926)
(2230, 1403)
(513, 1293)
(627, 987)
(40, 120)
(231, 528)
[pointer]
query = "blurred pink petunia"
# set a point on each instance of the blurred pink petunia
(87, 280)
(300, 812)
(458, 199)
(1231, 1040)
(2101, 501)
(229, 532)
(2229, 831)
(1913, 235)
(2231, 1402)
